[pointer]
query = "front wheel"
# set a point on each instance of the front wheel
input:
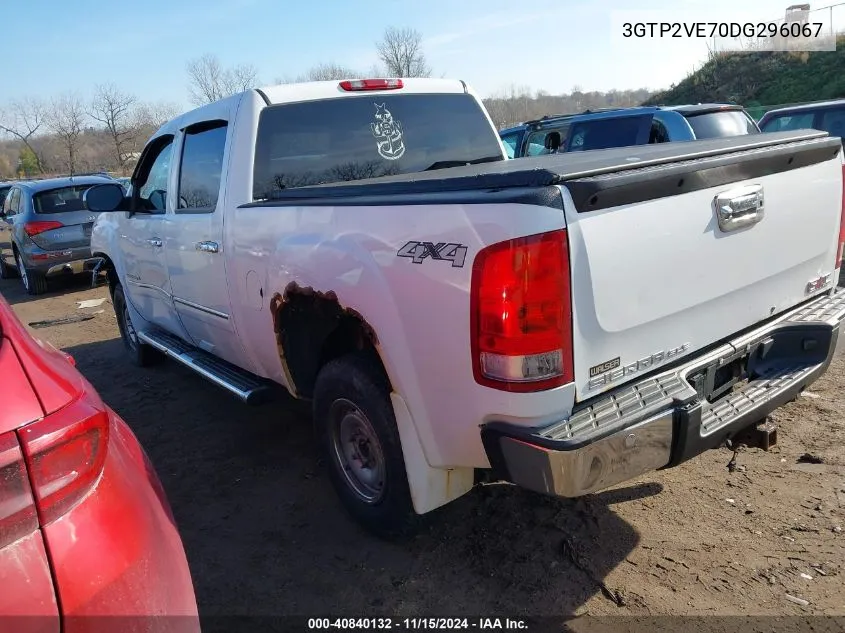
(140, 353)
(357, 432)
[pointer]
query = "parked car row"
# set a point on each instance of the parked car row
(622, 127)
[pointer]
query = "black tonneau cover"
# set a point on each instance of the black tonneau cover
(543, 171)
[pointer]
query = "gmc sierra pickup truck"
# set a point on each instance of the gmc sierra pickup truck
(564, 323)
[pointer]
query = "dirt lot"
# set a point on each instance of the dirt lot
(264, 534)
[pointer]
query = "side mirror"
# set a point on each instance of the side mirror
(102, 198)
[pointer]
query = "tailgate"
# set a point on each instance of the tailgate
(657, 275)
(74, 232)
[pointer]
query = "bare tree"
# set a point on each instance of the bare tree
(322, 72)
(23, 119)
(511, 106)
(66, 118)
(330, 72)
(116, 111)
(327, 72)
(209, 81)
(154, 115)
(400, 50)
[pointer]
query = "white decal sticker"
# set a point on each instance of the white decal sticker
(388, 133)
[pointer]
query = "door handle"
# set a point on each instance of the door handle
(739, 208)
(208, 247)
(155, 241)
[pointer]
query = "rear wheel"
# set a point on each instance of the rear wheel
(33, 282)
(6, 271)
(140, 353)
(358, 434)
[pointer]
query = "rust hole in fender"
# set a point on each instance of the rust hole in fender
(312, 328)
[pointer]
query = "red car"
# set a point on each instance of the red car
(85, 528)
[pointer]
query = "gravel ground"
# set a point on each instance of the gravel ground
(264, 534)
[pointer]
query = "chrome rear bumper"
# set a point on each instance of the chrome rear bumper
(74, 267)
(663, 420)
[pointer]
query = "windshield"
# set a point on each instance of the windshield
(60, 200)
(721, 124)
(4, 191)
(318, 142)
(509, 142)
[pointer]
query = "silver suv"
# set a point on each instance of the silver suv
(45, 230)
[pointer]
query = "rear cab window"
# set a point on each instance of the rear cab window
(60, 200)
(353, 138)
(721, 124)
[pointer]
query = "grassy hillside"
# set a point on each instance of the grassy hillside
(755, 79)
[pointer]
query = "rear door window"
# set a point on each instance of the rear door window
(784, 122)
(721, 124)
(609, 132)
(202, 167)
(367, 136)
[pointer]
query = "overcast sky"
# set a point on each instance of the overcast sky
(54, 46)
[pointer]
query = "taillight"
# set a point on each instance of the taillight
(65, 453)
(17, 510)
(371, 84)
(521, 314)
(34, 228)
(841, 251)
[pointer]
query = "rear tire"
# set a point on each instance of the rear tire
(34, 283)
(6, 271)
(140, 353)
(357, 433)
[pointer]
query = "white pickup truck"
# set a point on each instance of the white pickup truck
(563, 322)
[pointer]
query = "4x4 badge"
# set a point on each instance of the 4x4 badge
(418, 251)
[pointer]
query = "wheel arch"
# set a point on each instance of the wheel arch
(110, 269)
(314, 327)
